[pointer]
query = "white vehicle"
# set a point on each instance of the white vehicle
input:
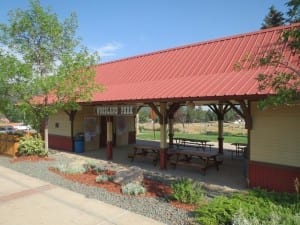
(7, 129)
(22, 127)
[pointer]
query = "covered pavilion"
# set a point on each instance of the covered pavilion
(215, 73)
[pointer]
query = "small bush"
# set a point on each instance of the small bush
(98, 169)
(32, 145)
(70, 169)
(133, 189)
(102, 178)
(187, 191)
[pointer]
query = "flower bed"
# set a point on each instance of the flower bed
(154, 189)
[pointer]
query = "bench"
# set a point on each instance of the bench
(194, 143)
(186, 158)
(145, 152)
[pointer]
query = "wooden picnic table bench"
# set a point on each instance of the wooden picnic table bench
(145, 152)
(240, 148)
(187, 158)
(196, 143)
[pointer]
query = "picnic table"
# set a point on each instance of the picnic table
(145, 152)
(187, 158)
(240, 148)
(189, 142)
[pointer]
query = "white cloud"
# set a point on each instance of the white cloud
(109, 49)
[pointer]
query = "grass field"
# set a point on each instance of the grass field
(207, 131)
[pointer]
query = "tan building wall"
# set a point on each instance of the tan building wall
(123, 125)
(59, 124)
(275, 137)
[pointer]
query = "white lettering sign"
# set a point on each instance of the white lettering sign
(115, 110)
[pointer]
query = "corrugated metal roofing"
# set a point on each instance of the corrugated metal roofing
(201, 71)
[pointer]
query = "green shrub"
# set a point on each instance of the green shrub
(32, 145)
(133, 189)
(187, 191)
(98, 169)
(276, 217)
(71, 168)
(102, 178)
(257, 206)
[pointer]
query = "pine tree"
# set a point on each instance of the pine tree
(273, 19)
(293, 11)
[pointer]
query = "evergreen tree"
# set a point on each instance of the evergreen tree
(293, 11)
(273, 19)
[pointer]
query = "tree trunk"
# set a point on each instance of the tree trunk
(46, 134)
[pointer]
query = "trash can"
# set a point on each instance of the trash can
(79, 143)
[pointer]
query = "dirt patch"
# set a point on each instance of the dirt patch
(31, 158)
(154, 188)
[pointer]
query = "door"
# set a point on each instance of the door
(103, 133)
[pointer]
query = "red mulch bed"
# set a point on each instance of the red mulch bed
(31, 158)
(154, 188)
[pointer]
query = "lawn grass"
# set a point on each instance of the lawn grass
(228, 138)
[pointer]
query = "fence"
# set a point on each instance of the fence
(9, 144)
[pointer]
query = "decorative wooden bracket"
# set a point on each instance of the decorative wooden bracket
(157, 112)
(71, 114)
(173, 109)
(169, 114)
(220, 110)
(138, 109)
(245, 112)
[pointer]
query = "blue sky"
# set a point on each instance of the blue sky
(124, 28)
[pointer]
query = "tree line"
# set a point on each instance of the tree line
(187, 115)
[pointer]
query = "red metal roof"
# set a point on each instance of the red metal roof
(199, 71)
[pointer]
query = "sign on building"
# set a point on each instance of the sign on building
(124, 110)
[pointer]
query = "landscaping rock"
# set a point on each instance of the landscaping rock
(132, 175)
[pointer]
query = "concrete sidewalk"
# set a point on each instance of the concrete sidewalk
(27, 200)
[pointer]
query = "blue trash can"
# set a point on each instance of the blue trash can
(79, 144)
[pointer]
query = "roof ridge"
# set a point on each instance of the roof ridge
(284, 27)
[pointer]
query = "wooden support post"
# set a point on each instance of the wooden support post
(109, 150)
(170, 112)
(163, 136)
(221, 132)
(72, 115)
(171, 130)
(137, 124)
(220, 110)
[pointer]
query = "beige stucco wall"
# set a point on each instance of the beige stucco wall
(275, 137)
(63, 122)
(122, 125)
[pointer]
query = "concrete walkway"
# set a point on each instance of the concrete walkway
(27, 200)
